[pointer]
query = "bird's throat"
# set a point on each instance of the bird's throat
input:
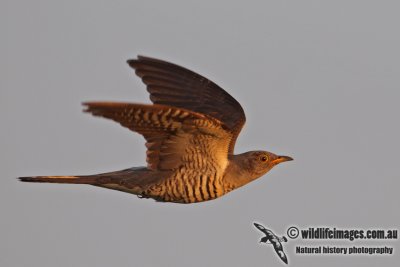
(237, 173)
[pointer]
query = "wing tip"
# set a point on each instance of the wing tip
(96, 108)
(87, 106)
(140, 60)
(134, 61)
(131, 62)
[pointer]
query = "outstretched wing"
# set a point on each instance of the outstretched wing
(172, 85)
(266, 231)
(174, 136)
(279, 251)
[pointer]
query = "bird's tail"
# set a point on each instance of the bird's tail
(60, 179)
(133, 180)
(95, 179)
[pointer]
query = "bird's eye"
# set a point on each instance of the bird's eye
(264, 158)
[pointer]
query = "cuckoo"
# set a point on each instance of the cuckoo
(190, 130)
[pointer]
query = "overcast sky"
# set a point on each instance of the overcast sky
(318, 80)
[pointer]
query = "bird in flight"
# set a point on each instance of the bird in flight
(271, 238)
(190, 130)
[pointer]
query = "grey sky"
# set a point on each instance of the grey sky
(318, 80)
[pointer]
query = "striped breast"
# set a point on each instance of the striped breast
(189, 186)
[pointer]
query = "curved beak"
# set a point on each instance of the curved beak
(281, 159)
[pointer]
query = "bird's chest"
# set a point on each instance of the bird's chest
(189, 186)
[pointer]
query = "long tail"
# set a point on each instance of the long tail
(114, 180)
(62, 179)
(95, 179)
(133, 180)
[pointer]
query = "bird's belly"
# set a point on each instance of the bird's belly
(187, 187)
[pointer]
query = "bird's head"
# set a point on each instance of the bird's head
(260, 162)
(246, 167)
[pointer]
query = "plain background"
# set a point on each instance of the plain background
(318, 80)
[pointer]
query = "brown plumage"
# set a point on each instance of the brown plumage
(190, 131)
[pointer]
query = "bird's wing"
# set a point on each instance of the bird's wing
(279, 251)
(266, 231)
(172, 85)
(175, 136)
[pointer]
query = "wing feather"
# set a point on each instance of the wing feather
(172, 85)
(174, 136)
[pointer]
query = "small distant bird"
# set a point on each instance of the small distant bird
(271, 238)
(190, 131)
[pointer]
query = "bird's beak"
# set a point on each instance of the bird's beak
(281, 159)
